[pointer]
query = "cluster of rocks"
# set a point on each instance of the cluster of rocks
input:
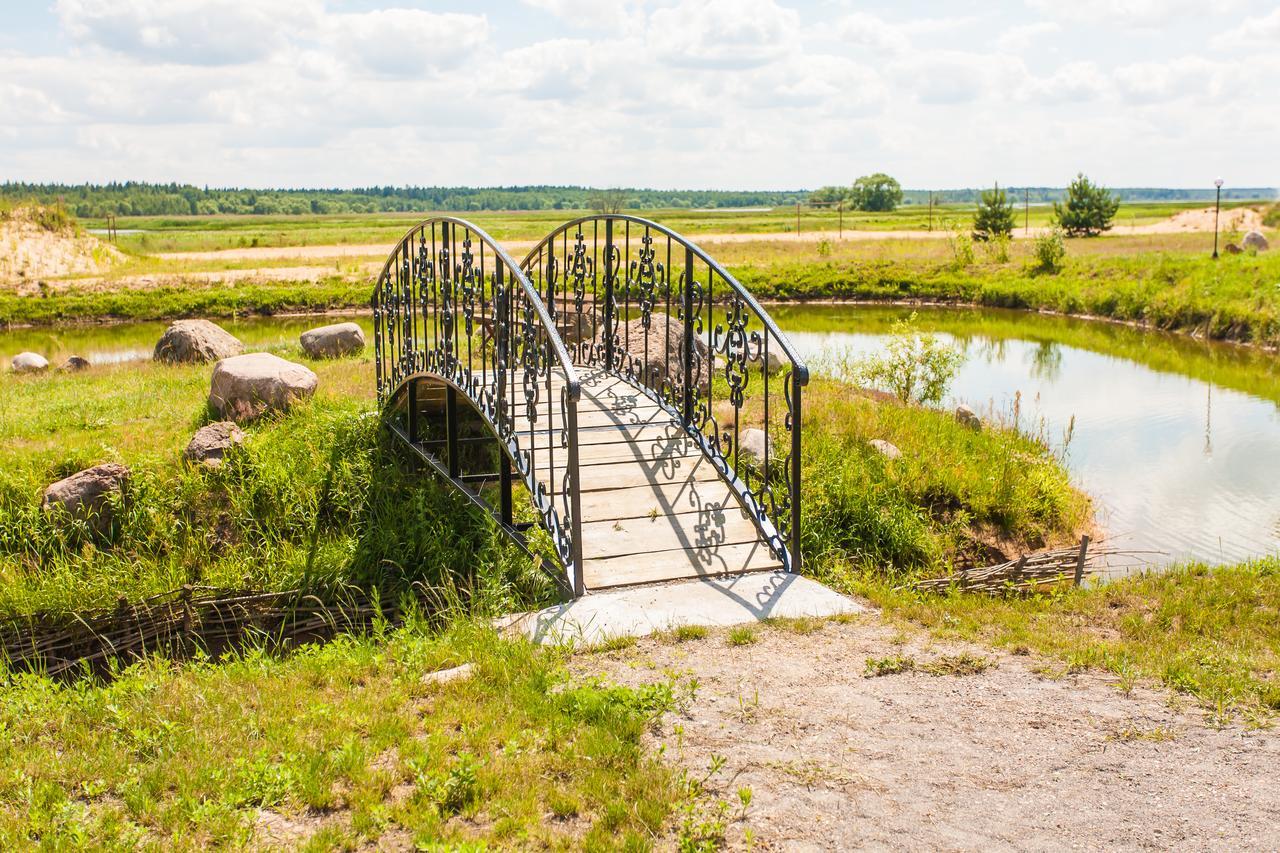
(243, 386)
(32, 362)
(1253, 241)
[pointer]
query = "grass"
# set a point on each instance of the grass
(741, 635)
(344, 741)
(1210, 633)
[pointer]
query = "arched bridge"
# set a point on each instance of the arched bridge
(617, 388)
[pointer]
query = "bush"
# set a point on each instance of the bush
(916, 367)
(1050, 251)
(1271, 218)
(961, 244)
(994, 217)
(1088, 209)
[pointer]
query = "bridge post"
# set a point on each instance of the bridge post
(608, 294)
(687, 301)
(796, 389)
(412, 424)
(575, 500)
(451, 431)
(504, 487)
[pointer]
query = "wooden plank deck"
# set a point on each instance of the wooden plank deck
(653, 507)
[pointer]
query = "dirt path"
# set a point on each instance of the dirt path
(1002, 759)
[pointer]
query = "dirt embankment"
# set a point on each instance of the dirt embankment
(35, 243)
(970, 749)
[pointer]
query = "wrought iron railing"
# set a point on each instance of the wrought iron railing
(450, 304)
(637, 299)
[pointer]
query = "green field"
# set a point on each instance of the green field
(206, 233)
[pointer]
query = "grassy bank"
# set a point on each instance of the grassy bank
(1211, 634)
(1234, 298)
(337, 746)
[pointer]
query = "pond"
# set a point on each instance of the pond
(1177, 440)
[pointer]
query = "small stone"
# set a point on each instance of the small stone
(752, 445)
(333, 341)
(245, 387)
(87, 495)
(75, 363)
(1254, 240)
(196, 341)
(210, 443)
(774, 363)
(444, 676)
(968, 417)
(885, 449)
(1232, 249)
(28, 362)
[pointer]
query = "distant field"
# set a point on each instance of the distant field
(192, 233)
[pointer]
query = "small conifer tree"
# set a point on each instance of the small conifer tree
(994, 217)
(1088, 209)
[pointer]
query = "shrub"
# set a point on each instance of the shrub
(915, 366)
(824, 248)
(1088, 208)
(877, 192)
(961, 244)
(1271, 218)
(1050, 251)
(994, 217)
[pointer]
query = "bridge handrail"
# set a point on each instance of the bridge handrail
(562, 354)
(787, 347)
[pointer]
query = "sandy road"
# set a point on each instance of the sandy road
(1004, 759)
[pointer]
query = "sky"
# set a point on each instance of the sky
(709, 94)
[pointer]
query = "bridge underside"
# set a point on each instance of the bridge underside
(653, 506)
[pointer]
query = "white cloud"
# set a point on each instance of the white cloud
(723, 33)
(404, 42)
(197, 32)
(955, 77)
(1075, 81)
(1253, 31)
(865, 30)
(1020, 38)
(593, 14)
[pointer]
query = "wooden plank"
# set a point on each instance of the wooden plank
(610, 476)
(666, 498)
(654, 430)
(602, 539)
(675, 565)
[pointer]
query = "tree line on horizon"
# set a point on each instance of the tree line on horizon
(140, 198)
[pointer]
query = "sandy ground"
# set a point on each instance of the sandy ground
(28, 251)
(999, 760)
(1240, 219)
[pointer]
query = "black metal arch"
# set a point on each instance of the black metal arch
(605, 280)
(450, 305)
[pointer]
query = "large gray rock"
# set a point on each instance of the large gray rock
(88, 495)
(333, 341)
(885, 449)
(751, 446)
(774, 361)
(194, 341)
(75, 363)
(210, 443)
(1254, 240)
(665, 337)
(248, 386)
(28, 362)
(968, 417)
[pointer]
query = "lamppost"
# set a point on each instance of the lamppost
(1217, 205)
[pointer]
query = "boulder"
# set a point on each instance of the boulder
(1232, 249)
(775, 361)
(248, 386)
(885, 449)
(211, 443)
(1254, 240)
(88, 495)
(333, 341)
(75, 363)
(968, 417)
(751, 446)
(194, 341)
(28, 362)
(665, 337)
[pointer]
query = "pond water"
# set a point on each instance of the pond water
(1178, 441)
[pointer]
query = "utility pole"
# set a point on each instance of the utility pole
(840, 208)
(930, 210)
(1217, 204)
(1026, 210)
(797, 219)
